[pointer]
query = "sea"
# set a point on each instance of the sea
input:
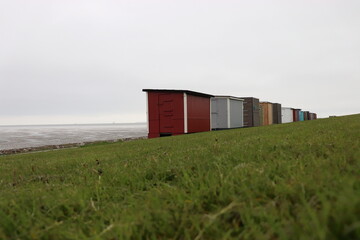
(14, 137)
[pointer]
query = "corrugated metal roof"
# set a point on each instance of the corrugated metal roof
(231, 97)
(249, 98)
(179, 91)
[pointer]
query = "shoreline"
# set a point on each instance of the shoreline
(4, 152)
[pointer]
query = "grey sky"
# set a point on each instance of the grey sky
(87, 61)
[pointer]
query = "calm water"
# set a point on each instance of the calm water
(34, 136)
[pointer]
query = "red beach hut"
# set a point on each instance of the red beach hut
(174, 112)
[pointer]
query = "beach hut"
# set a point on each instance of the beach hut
(174, 112)
(261, 113)
(262, 109)
(306, 115)
(287, 115)
(301, 116)
(227, 112)
(296, 114)
(251, 112)
(276, 107)
(311, 116)
(267, 111)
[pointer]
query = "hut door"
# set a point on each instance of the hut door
(166, 112)
(214, 114)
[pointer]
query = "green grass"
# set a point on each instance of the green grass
(289, 181)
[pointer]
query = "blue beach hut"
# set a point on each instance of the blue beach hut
(301, 115)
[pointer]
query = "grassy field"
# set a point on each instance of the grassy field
(290, 181)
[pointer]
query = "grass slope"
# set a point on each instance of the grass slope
(290, 181)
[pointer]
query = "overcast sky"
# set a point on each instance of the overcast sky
(86, 61)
